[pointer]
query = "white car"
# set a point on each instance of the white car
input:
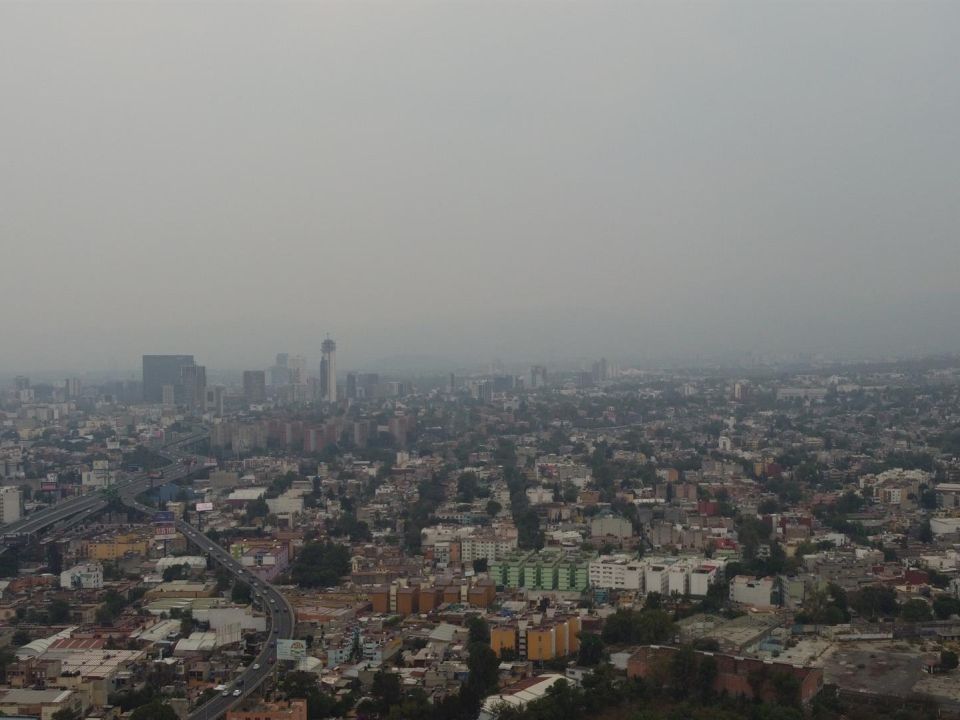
(256, 666)
(236, 693)
(226, 693)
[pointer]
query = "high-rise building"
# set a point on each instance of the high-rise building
(213, 399)
(71, 388)
(538, 376)
(193, 379)
(11, 504)
(160, 370)
(328, 370)
(297, 365)
(21, 382)
(280, 372)
(254, 386)
(601, 371)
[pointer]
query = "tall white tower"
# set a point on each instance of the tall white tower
(328, 370)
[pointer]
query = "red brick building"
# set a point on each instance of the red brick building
(735, 675)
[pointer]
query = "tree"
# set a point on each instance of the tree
(320, 564)
(479, 630)
(926, 532)
(67, 713)
(467, 486)
(591, 650)
(386, 690)
(484, 669)
(874, 601)
(944, 606)
(156, 709)
(644, 627)
(948, 660)
(256, 509)
(683, 671)
(186, 623)
(20, 638)
(240, 594)
(707, 672)
(58, 611)
(915, 610)
(493, 508)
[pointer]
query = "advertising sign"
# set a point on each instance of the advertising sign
(291, 649)
(164, 516)
(165, 532)
(204, 506)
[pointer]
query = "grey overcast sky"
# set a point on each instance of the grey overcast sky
(524, 180)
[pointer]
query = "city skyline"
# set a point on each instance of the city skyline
(656, 180)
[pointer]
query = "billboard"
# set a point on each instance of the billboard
(291, 649)
(164, 516)
(204, 506)
(164, 532)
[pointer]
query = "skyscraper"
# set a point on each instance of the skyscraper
(328, 370)
(193, 378)
(160, 370)
(254, 386)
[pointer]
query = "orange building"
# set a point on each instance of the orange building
(451, 594)
(407, 600)
(541, 643)
(503, 638)
(290, 710)
(482, 594)
(430, 598)
(380, 598)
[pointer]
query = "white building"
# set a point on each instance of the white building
(88, 576)
(11, 504)
(100, 477)
(617, 572)
(490, 547)
(611, 526)
(665, 575)
(702, 578)
(539, 495)
(756, 592)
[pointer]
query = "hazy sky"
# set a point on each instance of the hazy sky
(524, 180)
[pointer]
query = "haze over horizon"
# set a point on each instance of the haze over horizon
(471, 181)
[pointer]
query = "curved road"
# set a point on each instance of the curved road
(279, 612)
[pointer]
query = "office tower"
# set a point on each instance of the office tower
(160, 370)
(193, 380)
(71, 388)
(213, 400)
(297, 365)
(328, 370)
(451, 383)
(538, 376)
(280, 372)
(254, 386)
(10, 504)
(483, 391)
(351, 383)
(21, 382)
(600, 370)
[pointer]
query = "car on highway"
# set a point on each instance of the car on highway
(226, 693)
(236, 693)
(256, 666)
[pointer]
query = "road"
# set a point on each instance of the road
(280, 617)
(279, 614)
(93, 502)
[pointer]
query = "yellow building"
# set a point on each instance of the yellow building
(557, 639)
(118, 546)
(542, 643)
(503, 638)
